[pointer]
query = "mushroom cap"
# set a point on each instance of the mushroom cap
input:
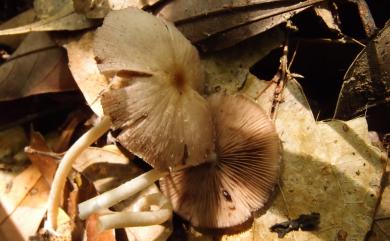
(138, 42)
(163, 119)
(224, 193)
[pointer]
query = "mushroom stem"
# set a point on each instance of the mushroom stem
(134, 219)
(65, 166)
(120, 193)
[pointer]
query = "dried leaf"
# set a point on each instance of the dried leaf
(24, 18)
(64, 19)
(12, 141)
(84, 69)
(180, 10)
(221, 24)
(228, 70)
(100, 8)
(27, 217)
(105, 169)
(46, 164)
(367, 81)
(381, 225)
(47, 8)
(95, 234)
(13, 192)
(233, 36)
(202, 28)
(323, 11)
(37, 66)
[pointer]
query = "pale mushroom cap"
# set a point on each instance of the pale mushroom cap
(163, 118)
(136, 41)
(162, 126)
(225, 193)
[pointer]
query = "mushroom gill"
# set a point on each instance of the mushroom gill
(225, 192)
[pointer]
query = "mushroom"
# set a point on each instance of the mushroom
(157, 106)
(239, 180)
(155, 100)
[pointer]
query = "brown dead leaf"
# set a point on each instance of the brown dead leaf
(37, 66)
(95, 234)
(221, 24)
(324, 12)
(46, 164)
(84, 69)
(12, 142)
(228, 70)
(202, 28)
(26, 218)
(47, 8)
(24, 18)
(100, 8)
(13, 192)
(63, 19)
(233, 36)
(180, 10)
(381, 225)
(367, 81)
(73, 120)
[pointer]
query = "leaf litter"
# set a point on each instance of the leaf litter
(37, 66)
(322, 160)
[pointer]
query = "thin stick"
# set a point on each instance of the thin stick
(65, 166)
(120, 193)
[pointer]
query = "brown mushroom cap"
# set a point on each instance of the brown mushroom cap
(163, 118)
(224, 193)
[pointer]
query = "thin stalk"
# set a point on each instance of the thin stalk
(65, 166)
(120, 193)
(134, 219)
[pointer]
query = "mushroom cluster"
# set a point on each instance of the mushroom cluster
(240, 178)
(226, 146)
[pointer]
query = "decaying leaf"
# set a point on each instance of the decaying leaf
(100, 8)
(381, 225)
(46, 164)
(12, 141)
(222, 24)
(24, 18)
(367, 81)
(26, 218)
(84, 69)
(95, 234)
(63, 19)
(228, 70)
(14, 191)
(323, 11)
(180, 10)
(200, 29)
(47, 8)
(37, 66)
(233, 36)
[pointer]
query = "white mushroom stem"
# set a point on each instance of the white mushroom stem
(65, 166)
(134, 219)
(120, 193)
(137, 218)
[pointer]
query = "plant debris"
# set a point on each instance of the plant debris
(305, 222)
